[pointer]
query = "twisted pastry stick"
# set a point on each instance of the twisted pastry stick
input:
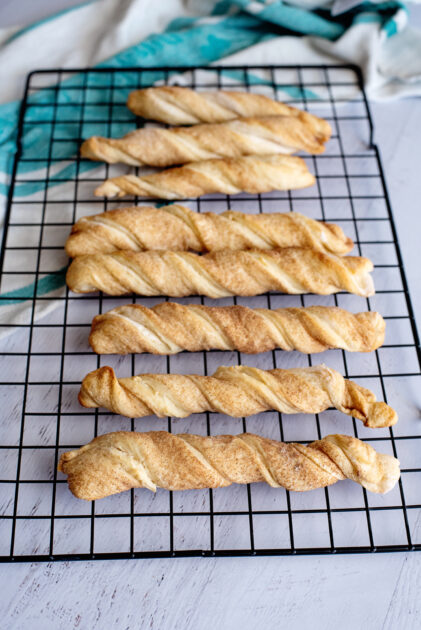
(120, 461)
(169, 328)
(154, 146)
(176, 227)
(220, 274)
(250, 174)
(235, 391)
(181, 106)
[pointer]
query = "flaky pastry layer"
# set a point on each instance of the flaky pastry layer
(176, 105)
(178, 228)
(168, 328)
(235, 391)
(252, 174)
(160, 147)
(120, 461)
(220, 274)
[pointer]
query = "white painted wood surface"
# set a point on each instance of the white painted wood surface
(322, 592)
(347, 592)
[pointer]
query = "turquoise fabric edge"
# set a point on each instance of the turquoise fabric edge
(173, 47)
(45, 285)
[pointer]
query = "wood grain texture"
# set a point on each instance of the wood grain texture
(191, 593)
(328, 593)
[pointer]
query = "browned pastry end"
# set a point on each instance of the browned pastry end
(235, 391)
(252, 174)
(181, 106)
(168, 328)
(178, 228)
(220, 274)
(160, 147)
(120, 461)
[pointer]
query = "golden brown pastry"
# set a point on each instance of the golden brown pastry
(176, 227)
(119, 461)
(235, 391)
(252, 174)
(169, 328)
(181, 106)
(220, 274)
(156, 146)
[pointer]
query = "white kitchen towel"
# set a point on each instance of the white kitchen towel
(122, 33)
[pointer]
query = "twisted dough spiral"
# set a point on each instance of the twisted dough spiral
(220, 274)
(154, 146)
(119, 461)
(235, 391)
(176, 227)
(181, 106)
(169, 328)
(229, 176)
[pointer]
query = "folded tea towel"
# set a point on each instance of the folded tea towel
(125, 33)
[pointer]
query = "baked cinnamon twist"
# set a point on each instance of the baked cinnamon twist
(169, 328)
(119, 461)
(220, 274)
(229, 176)
(154, 146)
(176, 227)
(181, 106)
(235, 391)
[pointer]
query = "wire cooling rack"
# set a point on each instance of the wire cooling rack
(45, 360)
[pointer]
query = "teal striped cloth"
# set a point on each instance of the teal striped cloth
(146, 33)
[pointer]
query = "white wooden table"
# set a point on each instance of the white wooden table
(374, 591)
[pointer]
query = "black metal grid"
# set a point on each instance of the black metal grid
(47, 357)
